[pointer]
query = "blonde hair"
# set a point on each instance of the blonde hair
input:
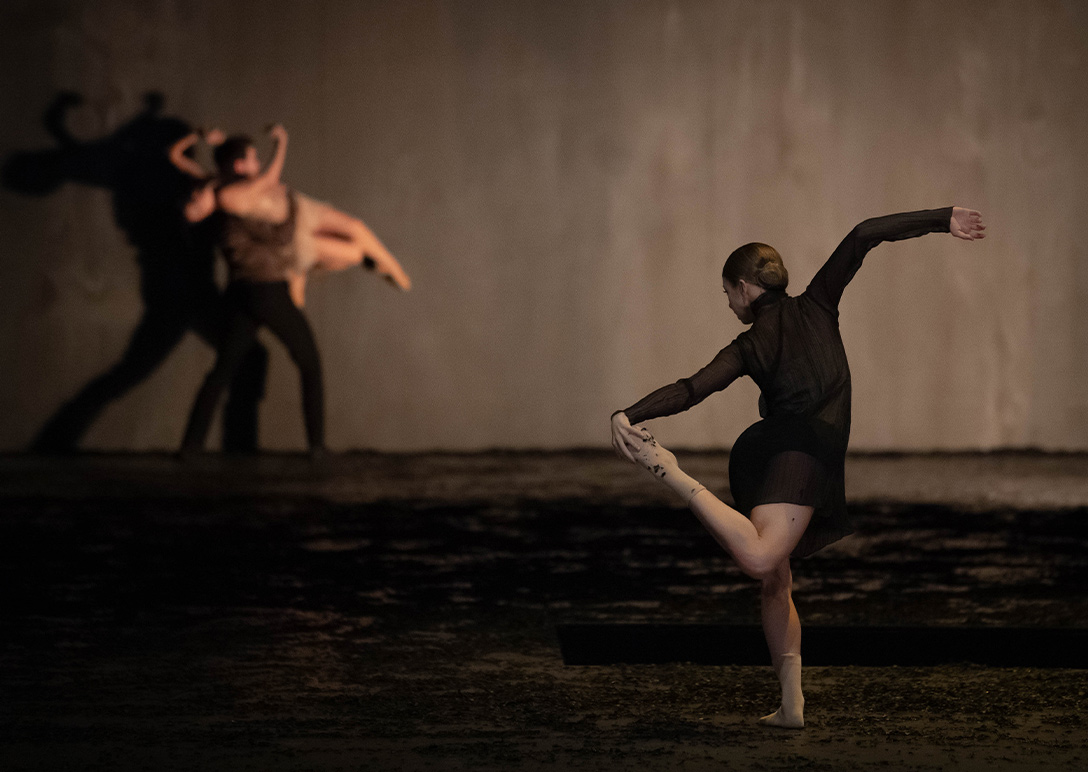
(757, 264)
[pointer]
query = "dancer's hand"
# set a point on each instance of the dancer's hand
(625, 438)
(966, 224)
(277, 132)
(662, 464)
(214, 136)
(654, 458)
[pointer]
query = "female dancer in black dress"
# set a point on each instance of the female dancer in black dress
(786, 471)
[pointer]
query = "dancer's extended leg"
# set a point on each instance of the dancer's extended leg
(759, 545)
(782, 628)
(343, 241)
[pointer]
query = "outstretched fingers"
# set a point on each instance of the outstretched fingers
(967, 224)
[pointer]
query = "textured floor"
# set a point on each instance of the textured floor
(400, 612)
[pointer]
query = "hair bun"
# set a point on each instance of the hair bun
(771, 274)
(756, 263)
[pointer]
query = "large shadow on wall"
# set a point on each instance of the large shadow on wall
(176, 259)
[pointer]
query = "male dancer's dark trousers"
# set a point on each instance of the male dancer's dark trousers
(251, 305)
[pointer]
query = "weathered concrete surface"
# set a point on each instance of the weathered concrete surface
(256, 614)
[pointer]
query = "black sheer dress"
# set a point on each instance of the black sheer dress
(794, 353)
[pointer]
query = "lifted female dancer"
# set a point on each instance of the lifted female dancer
(325, 238)
(271, 237)
(786, 472)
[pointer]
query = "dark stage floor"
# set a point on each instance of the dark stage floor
(387, 612)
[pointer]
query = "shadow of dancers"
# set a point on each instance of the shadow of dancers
(176, 259)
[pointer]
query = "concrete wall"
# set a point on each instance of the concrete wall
(563, 181)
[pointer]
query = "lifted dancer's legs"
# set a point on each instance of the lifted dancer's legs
(343, 241)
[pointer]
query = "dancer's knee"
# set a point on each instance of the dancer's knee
(758, 563)
(778, 582)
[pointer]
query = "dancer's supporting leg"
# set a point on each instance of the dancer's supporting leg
(782, 628)
(761, 547)
(274, 309)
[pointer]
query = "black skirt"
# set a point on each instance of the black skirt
(793, 460)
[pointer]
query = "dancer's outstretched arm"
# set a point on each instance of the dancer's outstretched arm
(722, 370)
(827, 285)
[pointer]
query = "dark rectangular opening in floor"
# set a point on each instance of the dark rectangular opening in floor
(652, 644)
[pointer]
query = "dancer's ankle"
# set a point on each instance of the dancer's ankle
(684, 485)
(791, 713)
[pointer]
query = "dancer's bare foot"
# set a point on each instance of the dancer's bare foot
(390, 270)
(783, 719)
(653, 457)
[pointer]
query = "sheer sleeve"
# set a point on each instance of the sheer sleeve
(829, 282)
(677, 397)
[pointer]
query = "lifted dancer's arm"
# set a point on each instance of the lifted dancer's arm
(184, 163)
(187, 165)
(245, 195)
(829, 282)
(271, 174)
(201, 201)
